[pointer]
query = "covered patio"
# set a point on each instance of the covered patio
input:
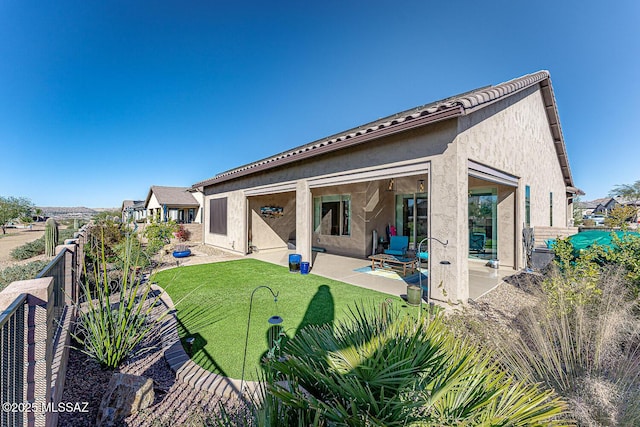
(482, 279)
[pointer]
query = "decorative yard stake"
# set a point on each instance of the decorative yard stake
(50, 237)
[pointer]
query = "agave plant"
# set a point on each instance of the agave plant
(381, 368)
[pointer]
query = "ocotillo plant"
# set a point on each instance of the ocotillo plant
(50, 237)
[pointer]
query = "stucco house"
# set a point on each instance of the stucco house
(488, 163)
(181, 204)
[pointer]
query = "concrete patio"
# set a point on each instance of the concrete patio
(482, 279)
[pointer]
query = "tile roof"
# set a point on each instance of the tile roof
(174, 196)
(455, 106)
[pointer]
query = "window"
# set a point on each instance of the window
(218, 216)
(550, 209)
(332, 215)
(527, 206)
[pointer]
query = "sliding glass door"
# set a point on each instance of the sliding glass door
(411, 217)
(483, 223)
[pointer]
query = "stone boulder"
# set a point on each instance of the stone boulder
(126, 394)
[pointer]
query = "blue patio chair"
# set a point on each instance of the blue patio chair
(398, 245)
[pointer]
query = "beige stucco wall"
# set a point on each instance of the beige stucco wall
(272, 233)
(199, 210)
(518, 141)
(418, 143)
(236, 238)
(153, 202)
(378, 212)
(422, 143)
(512, 136)
(354, 244)
(448, 205)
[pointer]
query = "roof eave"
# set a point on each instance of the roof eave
(349, 141)
(556, 131)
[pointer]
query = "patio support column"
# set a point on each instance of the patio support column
(449, 198)
(304, 220)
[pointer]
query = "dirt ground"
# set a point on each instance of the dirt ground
(17, 237)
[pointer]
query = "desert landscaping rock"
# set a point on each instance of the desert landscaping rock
(126, 395)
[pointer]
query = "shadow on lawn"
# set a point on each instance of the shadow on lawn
(321, 309)
(198, 317)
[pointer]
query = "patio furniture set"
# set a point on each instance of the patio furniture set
(398, 257)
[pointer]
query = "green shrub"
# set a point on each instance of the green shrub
(132, 249)
(626, 254)
(21, 272)
(35, 248)
(159, 234)
(577, 283)
(117, 315)
(29, 250)
(587, 264)
(103, 236)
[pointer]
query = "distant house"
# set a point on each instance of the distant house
(488, 163)
(586, 207)
(180, 204)
(605, 206)
(133, 210)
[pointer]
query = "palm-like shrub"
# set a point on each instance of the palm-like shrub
(116, 314)
(381, 368)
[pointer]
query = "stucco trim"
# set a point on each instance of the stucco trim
(487, 173)
(394, 170)
(281, 187)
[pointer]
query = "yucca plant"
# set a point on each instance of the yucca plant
(380, 368)
(116, 313)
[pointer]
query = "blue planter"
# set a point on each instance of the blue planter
(294, 263)
(304, 267)
(181, 254)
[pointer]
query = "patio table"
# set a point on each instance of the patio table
(392, 262)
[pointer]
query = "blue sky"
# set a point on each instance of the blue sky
(101, 100)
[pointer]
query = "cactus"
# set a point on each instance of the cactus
(75, 224)
(50, 237)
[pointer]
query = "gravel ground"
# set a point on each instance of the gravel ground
(174, 403)
(17, 237)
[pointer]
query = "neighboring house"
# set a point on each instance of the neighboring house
(604, 206)
(586, 208)
(488, 162)
(133, 210)
(181, 204)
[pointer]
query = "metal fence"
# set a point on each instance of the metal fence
(12, 345)
(31, 344)
(57, 269)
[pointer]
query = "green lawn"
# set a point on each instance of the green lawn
(213, 304)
